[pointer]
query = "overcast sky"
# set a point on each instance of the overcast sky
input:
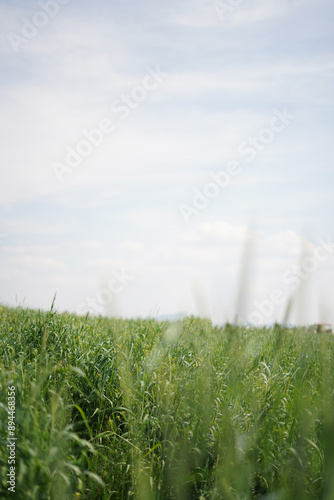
(143, 143)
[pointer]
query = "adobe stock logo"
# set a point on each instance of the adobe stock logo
(31, 27)
(116, 285)
(293, 277)
(257, 143)
(122, 108)
(250, 148)
(75, 155)
(223, 8)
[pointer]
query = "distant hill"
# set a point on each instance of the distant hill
(171, 317)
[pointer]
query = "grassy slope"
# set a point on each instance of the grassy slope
(146, 410)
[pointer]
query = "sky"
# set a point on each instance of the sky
(163, 157)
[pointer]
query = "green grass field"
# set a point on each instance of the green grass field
(117, 409)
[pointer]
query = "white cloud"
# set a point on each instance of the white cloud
(33, 263)
(207, 257)
(131, 246)
(201, 13)
(92, 244)
(119, 208)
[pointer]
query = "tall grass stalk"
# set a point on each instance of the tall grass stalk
(119, 409)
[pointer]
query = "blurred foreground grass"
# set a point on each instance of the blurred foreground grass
(118, 409)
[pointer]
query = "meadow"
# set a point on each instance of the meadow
(140, 409)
